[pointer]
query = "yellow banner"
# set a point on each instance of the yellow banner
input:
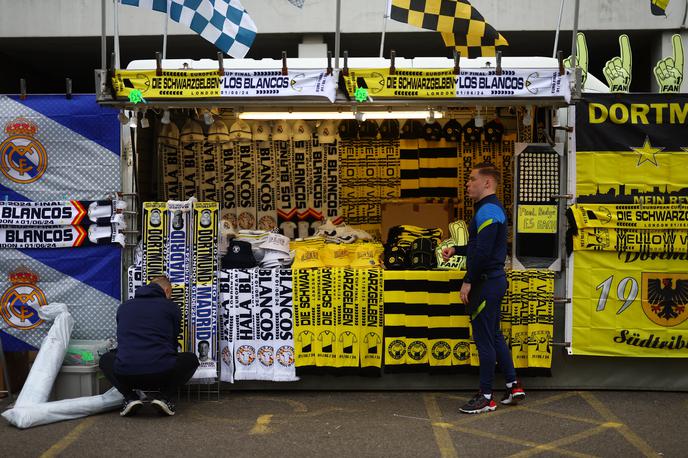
(632, 305)
(631, 240)
(182, 83)
(631, 216)
(537, 219)
(643, 174)
(403, 83)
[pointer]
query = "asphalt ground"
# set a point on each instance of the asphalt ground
(373, 424)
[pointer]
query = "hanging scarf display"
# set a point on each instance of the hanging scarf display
(204, 295)
(177, 261)
(267, 183)
(154, 239)
(63, 213)
(246, 186)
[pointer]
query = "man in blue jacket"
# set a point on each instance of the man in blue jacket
(146, 357)
(484, 286)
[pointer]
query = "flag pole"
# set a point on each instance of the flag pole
(116, 16)
(103, 34)
(164, 36)
(385, 16)
(556, 35)
(574, 39)
(337, 33)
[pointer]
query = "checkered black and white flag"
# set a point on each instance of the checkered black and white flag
(225, 23)
(297, 3)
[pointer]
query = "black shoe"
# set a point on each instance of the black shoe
(129, 407)
(164, 406)
(513, 395)
(479, 404)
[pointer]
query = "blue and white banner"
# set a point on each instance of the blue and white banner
(55, 149)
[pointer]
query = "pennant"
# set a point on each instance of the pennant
(658, 7)
(225, 23)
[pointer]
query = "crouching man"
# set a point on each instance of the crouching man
(146, 357)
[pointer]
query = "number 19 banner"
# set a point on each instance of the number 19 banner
(630, 304)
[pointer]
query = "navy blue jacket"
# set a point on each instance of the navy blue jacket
(487, 233)
(147, 328)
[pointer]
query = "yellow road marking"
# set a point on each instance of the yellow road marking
(69, 439)
(262, 425)
(442, 437)
(554, 445)
(563, 416)
(635, 440)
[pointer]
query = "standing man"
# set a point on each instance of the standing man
(484, 286)
(146, 357)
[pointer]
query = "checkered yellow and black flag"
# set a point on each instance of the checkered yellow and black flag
(462, 26)
(472, 46)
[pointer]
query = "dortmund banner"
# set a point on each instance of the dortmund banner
(472, 83)
(211, 84)
(630, 275)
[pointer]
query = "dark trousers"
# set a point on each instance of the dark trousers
(166, 383)
(485, 307)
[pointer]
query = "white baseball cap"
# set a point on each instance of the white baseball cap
(261, 131)
(277, 242)
(240, 130)
(192, 132)
(218, 132)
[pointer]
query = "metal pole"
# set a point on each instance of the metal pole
(103, 35)
(337, 33)
(556, 35)
(385, 15)
(574, 38)
(116, 16)
(164, 37)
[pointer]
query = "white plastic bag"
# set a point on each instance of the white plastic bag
(67, 409)
(49, 359)
(31, 408)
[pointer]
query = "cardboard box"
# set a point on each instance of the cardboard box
(427, 213)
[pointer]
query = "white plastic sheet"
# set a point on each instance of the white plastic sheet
(31, 408)
(67, 409)
(49, 359)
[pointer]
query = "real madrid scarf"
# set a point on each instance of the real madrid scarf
(204, 293)
(228, 173)
(190, 184)
(267, 183)
(246, 330)
(177, 261)
(286, 204)
(172, 170)
(283, 314)
(64, 213)
(207, 173)
(154, 240)
(331, 179)
(246, 186)
(316, 181)
(59, 236)
(264, 322)
(228, 285)
(302, 165)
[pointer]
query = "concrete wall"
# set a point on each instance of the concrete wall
(61, 18)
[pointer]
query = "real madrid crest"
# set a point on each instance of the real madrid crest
(20, 302)
(22, 157)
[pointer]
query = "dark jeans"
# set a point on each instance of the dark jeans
(487, 335)
(166, 383)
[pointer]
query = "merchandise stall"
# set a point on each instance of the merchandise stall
(362, 169)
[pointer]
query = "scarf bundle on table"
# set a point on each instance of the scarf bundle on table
(204, 294)
(256, 328)
(62, 224)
